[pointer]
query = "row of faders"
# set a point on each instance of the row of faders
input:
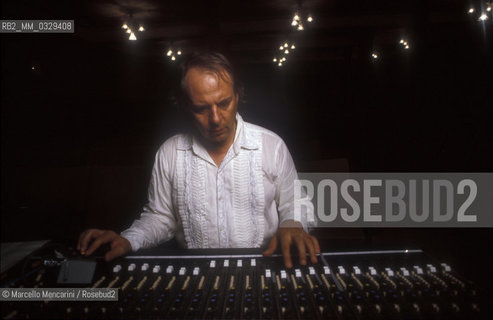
(351, 285)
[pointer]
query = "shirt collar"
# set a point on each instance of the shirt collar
(242, 140)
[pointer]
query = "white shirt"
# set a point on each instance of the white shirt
(239, 204)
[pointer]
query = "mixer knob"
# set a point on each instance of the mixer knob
(326, 270)
(131, 267)
(415, 307)
(226, 263)
(196, 271)
(431, 268)
(356, 270)
(170, 269)
(182, 271)
(297, 273)
(341, 270)
(156, 269)
(283, 274)
(435, 308)
(267, 273)
(475, 307)
(239, 263)
(446, 267)
(455, 308)
(253, 262)
(378, 308)
(372, 270)
(397, 308)
(311, 271)
(145, 267)
(117, 268)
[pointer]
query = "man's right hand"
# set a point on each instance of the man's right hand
(119, 246)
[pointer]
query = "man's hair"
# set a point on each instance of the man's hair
(211, 61)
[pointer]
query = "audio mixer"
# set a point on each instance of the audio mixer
(389, 284)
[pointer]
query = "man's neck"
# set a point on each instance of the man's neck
(219, 151)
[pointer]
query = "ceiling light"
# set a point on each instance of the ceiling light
(296, 17)
(132, 37)
(141, 28)
(286, 51)
(294, 23)
(169, 53)
(124, 26)
(488, 9)
(300, 27)
(483, 17)
(471, 10)
(173, 58)
(281, 48)
(274, 60)
(179, 52)
(293, 47)
(310, 19)
(128, 31)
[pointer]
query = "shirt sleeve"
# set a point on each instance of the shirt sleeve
(290, 208)
(157, 223)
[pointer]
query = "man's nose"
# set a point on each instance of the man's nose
(214, 115)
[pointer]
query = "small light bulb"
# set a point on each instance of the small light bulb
(173, 58)
(285, 45)
(402, 41)
(294, 23)
(483, 17)
(296, 17)
(310, 19)
(283, 58)
(141, 28)
(32, 68)
(179, 52)
(488, 9)
(132, 37)
(124, 26)
(279, 64)
(300, 27)
(293, 47)
(286, 51)
(405, 43)
(281, 48)
(169, 53)
(471, 10)
(407, 47)
(128, 31)
(274, 60)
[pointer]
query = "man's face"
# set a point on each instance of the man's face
(213, 106)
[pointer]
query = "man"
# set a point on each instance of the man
(227, 184)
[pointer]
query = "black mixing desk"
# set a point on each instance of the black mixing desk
(239, 284)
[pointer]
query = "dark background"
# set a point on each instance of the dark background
(79, 131)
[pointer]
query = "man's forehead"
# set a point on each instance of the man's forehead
(208, 75)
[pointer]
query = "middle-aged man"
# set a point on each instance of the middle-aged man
(227, 184)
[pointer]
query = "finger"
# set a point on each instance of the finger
(316, 244)
(114, 253)
(300, 243)
(272, 247)
(285, 244)
(79, 241)
(106, 237)
(311, 249)
(89, 235)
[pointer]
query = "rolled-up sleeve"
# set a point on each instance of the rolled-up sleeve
(157, 222)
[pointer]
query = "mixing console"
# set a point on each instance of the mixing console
(397, 284)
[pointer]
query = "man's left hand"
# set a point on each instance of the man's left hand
(289, 235)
